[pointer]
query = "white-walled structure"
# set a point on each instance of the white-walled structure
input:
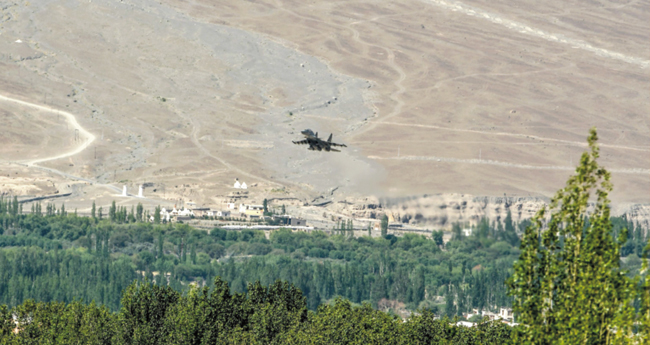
(237, 185)
(167, 216)
(140, 191)
(124, 191)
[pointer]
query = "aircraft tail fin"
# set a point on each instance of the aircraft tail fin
(329, 140)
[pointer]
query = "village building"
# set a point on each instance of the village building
(218, 213)
(174, 214)
(251, 211)
(289, 220)
(505, 314)
(223, 213)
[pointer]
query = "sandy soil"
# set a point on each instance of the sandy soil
(482, 97)
(432, 96)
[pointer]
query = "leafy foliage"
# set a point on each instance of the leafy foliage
(62, 258)
(568, 284)
(274, 314)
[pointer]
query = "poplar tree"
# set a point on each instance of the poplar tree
(92, 211)
(384, 226)
(161, 241)
(112, 212)
(14, 209)
(156, 215)
(139, 212)
(567, 285)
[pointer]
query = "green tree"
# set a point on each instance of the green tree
(450, 307)
(144, 309)
(193, 254)
(139, 213)
(6, 322)
(384, 226)
(156, 215)
(567, 285)
(14, 208)
(438, 237)
(92, 211)
(456, 232)
(510, 234)
(265, 205)
(112, 212)
(100, 214)
(161, 241)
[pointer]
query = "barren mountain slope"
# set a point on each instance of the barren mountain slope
(479, 97)
(473, 97)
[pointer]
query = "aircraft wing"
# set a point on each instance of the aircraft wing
(301, 142)
(339, 145)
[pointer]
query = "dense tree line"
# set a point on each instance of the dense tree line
(100, 258)
(273, 314)
(56, 256)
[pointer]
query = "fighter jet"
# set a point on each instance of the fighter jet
(316, 143)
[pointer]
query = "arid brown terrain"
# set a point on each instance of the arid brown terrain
(480, 98)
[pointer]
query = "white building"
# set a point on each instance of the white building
(506, 313)
(164, 215)
(244, 186)
(237, 185)
(167, 216)
(246, 207)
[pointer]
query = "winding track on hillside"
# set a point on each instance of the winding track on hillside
(83, 133)
(72, 120)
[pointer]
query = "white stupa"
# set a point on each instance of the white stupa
(237, 185)
(244, 186)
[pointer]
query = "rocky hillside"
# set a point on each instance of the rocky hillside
(442, 210)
